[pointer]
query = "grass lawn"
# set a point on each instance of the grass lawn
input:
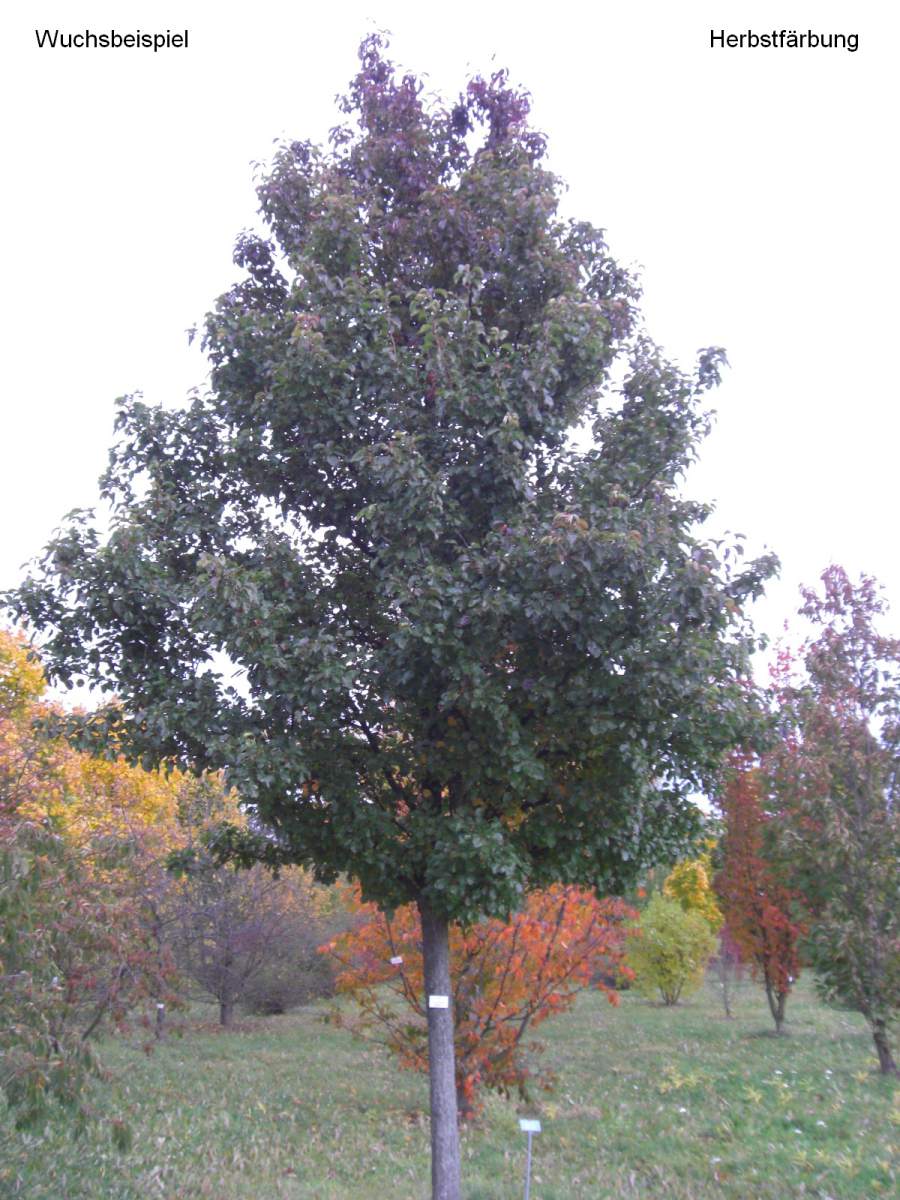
(674, 1104)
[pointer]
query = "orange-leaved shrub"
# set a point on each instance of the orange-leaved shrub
(508, 978)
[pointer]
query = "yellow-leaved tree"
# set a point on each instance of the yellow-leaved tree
(690, 883)
(80, 841)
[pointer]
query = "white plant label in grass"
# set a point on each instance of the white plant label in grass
(397, 960)
(438, 1001)
(528, 1126)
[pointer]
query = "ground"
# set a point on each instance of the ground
(652, 1103)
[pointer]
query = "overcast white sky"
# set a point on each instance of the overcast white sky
(757, 189)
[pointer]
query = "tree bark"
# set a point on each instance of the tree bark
(885, 1058)
(445, 1172)
(776, 1006)
(464, 1110)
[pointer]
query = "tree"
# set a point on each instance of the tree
(727, 966)
(669, 950)
(760, 910)
(243, 936)
(834, 781)
(508, 977)
(79, 840)
(474, 659)
(689, 883)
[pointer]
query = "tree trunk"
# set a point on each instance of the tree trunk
(226, 1009)
(445, 1174)
(885, 1058)
(464, 1109)
(777, 1002)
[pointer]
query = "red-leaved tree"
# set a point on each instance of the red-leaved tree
(758, 908)
(834, 779)
(508, 978)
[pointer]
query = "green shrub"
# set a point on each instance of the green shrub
(669, 950)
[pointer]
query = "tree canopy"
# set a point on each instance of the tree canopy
(471, 657)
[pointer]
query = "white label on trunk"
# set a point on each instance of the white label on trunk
(396, 960)
(529, 1126)
(438, 1001)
